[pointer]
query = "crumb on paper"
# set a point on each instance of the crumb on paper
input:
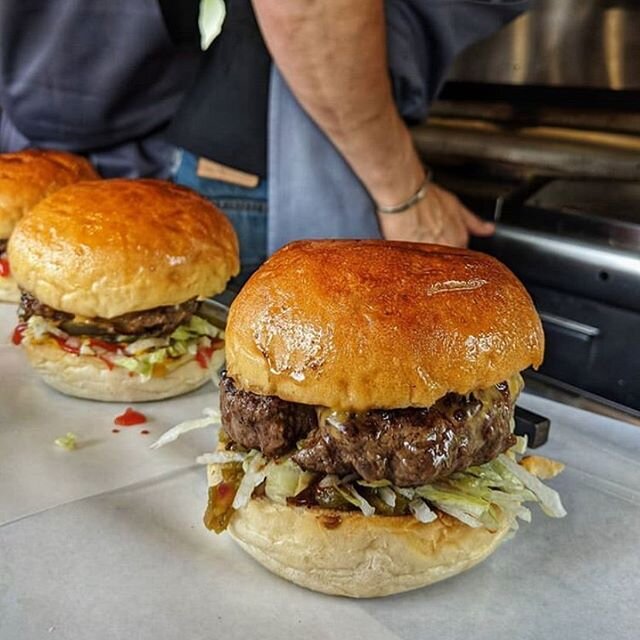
(67, 442)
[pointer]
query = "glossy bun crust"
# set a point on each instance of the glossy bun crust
(355, 325)
(26, 177)
(115, 246)
(348, 554)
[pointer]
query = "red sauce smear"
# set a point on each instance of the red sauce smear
(5, 271)
(224, 490)
(103, 344)
(130, 418)
(62, 343)
(203, 356)
(107, 362)
(18, 333)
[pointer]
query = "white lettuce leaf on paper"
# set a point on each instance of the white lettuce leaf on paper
(211, 419)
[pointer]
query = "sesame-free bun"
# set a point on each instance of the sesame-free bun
(26, 177)
(355, 325)
(348, 554)
(9, 289)
(109, 247)
(89, 377)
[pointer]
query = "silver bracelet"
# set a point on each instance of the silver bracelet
(411, 200)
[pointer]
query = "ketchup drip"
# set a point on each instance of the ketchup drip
(130, 418)
(18, 333)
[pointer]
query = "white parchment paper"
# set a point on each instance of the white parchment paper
(36, 475)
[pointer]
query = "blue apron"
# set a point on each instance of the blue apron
(313, 193)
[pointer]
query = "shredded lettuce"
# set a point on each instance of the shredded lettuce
(548, 498)
(221, 457)
(196, 327)
(145, 344)
(68, 442)
(254, 467)
(137, 356)
(350, 494)
(285, 479)
(388, 496)
(421, 511)
(375, 484)
(521, 445)
(481, 496)
(211, 419)
(38, 327)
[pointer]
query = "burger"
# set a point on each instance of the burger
(26, 177)
(366, 444)
(112, 275)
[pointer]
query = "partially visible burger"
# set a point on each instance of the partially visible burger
(26, 177)
(367, 442)
(112, 273)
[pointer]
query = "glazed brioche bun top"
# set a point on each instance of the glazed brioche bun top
(26, 177)
(355, 325)
(109, 247)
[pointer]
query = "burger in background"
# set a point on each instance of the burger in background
(112, 274)
(367, 442)
(26, 177)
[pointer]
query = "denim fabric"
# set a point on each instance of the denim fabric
(246, 208)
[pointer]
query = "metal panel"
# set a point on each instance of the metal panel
(562, 43)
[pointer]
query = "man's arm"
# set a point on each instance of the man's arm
(333, 55)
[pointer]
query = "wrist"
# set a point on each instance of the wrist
(400, 175)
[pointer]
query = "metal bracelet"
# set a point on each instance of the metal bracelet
(409, 202)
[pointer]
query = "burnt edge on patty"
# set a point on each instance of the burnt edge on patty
(160, 321)
(408, 447)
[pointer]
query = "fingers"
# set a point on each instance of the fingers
(453, 231)
(439, 218)
(475, 225)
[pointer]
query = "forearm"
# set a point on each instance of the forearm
(333, 55)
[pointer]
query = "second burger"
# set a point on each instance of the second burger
(112, 274)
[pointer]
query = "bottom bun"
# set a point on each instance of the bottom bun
(348, 554)
(9, 291)
(89, 377)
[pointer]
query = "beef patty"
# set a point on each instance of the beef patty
(160, 321)
(408, 447)
(266, 423)
(3, 245)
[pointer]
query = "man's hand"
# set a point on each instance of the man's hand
(438, 218)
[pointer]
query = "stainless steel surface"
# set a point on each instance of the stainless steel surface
(569, 116)
(536, 155)
(603, 211)
(215, 312)
(553, 390)
(605, 273)
(563, 43)
(577, 327)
